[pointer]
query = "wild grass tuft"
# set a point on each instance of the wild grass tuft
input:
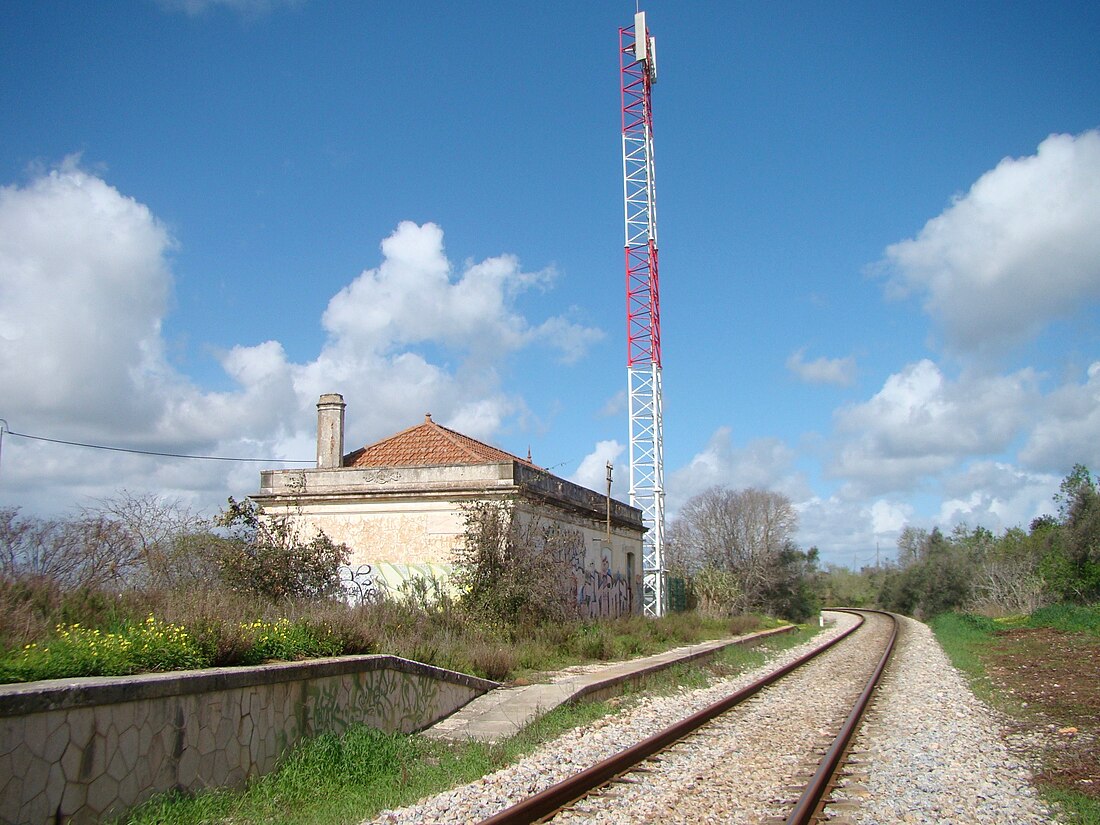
(1070, 618)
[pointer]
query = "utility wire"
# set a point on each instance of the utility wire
(5, 429)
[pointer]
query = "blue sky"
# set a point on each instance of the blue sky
(879, 231)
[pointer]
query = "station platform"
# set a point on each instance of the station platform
(504, 712)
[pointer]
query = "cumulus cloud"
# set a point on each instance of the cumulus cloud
(592, 471)
(851, 533)
(1018, 250)
(921, 424)
(414, 297)
(995, 495)
(763, 462)
(840, 372)
(85, 282)
(1068, 431)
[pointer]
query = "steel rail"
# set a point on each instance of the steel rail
(809, 805)
(569, 790)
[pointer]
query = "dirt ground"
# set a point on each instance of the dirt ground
(1052, 682)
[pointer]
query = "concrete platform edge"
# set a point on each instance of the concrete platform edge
(494, 717)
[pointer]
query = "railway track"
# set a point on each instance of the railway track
(767, 752)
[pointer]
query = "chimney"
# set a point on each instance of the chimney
(330, 431)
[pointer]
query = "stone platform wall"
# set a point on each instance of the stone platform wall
(81, 750)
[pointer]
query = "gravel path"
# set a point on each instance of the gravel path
(933, 753)
(930, 753)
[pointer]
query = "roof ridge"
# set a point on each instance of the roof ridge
(462, 448)
(456, 438)
(350, 457)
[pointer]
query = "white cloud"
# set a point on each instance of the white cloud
(246, 8)
(763, 462)
(592, 471)
(85, 282)
(413, 297)
(1068, 432)
(889, 517)
(851, 533)
(1018, 250)
(572, 339)
(840, 372)
(920, 424)
(995, 495)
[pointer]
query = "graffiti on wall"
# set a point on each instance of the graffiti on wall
(358, 584)
(601, 591)
(389, 699)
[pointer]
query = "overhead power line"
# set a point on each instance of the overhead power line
(5, 429)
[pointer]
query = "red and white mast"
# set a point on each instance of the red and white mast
(638, 62)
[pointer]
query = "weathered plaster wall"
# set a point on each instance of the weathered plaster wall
(81, 750)
(401, 532)
(606, 574)
(414, 516)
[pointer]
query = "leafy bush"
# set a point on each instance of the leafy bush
(718, 591)
(515, 570)
(286, 641)
(268, 557)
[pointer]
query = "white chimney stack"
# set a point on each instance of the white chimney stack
(330, 431)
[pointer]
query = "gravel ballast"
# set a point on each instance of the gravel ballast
(929, 753)
(933, 752)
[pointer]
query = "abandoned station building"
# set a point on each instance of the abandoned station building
(398, 505)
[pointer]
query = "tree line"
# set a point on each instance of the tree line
(1057, 559)
(734, 550)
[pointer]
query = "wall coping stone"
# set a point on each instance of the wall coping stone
(58, 694)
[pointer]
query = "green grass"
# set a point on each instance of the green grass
(1076, 808)
(331, 780)
(964, 636)
(1069, 618)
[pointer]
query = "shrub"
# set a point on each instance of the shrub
(717, 591)
(285, 640)
(268, 557)
(515, 571)
(496, 662)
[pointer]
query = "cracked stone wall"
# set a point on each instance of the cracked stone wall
(82, 750)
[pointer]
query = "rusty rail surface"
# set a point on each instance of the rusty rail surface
(556, 797)
(809, 805)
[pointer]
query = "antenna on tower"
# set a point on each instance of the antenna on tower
(638, 70)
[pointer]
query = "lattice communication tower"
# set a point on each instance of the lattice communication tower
(638, 63)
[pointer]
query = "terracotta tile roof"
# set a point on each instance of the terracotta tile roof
(425, 445)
